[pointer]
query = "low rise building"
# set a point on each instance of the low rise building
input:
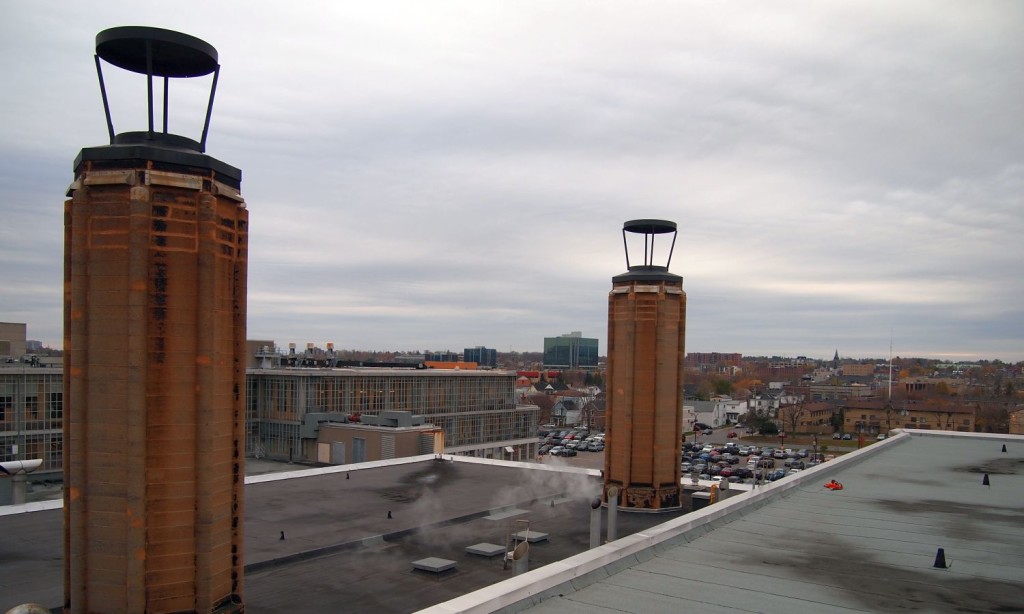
(287, 408)
(872, 417)
(476, 410)
(392, 434)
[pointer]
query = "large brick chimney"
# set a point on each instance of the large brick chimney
(155, 255)
(646, 347)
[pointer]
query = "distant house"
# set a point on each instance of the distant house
(546, 387)
(764, 405)
(566, 411)
(704, 412)
(594, 414)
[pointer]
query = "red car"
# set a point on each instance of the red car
(731, 434)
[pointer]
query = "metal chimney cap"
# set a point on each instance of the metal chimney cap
(173, 54)
(649, 227)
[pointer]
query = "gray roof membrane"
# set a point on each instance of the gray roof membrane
(796, 546)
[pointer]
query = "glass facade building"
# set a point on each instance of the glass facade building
(483, 357)
(31, 416)
(476, 409)
(570, 351)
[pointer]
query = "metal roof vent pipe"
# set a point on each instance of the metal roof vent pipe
(521, 558)
(613, 513)
(18, 470)
(595, 522)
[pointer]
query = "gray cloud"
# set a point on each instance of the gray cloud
(457, 174)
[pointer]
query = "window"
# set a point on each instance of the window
(55, 406)
(6, 408)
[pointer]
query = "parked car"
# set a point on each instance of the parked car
(802, 452)
(847, 437)
(709, 432)
(731, 435)
(881, 436)
(556, 450)
(837, 435)
(779, 454)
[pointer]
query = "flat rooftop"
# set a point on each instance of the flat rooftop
(796, 546)
(791, 546)
(341, 552)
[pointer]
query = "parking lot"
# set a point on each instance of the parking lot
(776, 464)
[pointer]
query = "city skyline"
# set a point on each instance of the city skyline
(453, 175)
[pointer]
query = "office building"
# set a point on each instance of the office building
(483, 357)
(570, 351)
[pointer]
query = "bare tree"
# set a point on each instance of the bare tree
(791, 415)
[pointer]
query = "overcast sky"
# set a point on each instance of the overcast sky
(440, 175)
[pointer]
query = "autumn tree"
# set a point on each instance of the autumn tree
(991, 418)
(723, 387)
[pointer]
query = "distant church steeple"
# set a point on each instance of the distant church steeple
(835, 360)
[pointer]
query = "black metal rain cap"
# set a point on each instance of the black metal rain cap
(164, 54)
(649, 227)
(648, 271)
(173, 54)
